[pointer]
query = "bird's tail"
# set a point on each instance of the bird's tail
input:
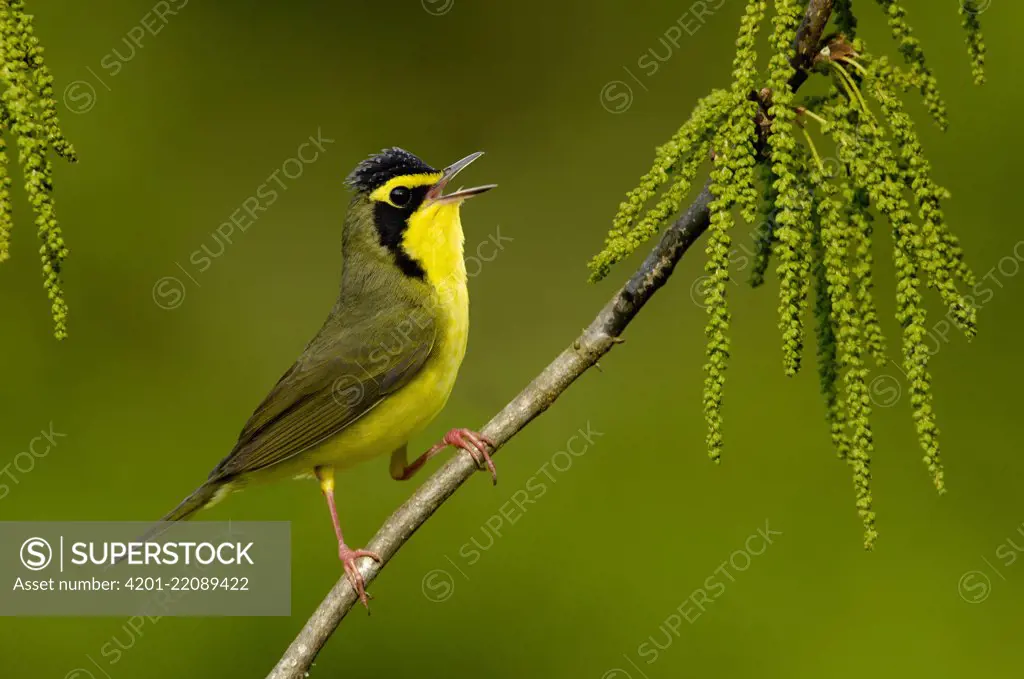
(202, 496)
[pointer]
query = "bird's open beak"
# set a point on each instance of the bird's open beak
(436, 193)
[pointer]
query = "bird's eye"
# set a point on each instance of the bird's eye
(400, 196)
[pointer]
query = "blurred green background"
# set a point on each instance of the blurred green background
(587, 579)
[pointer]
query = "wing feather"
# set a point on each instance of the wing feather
(343, 374)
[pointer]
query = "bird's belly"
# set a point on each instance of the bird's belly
(391, 423)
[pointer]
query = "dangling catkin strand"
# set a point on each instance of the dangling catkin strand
(792, 244)
(910, 48)
(764, 235)
(732, 184)
(745, 160)
(715, 289)
(717, 327)
(912, 316)
(20, 101)
(835, 239)
(6, 216)
(43, 84)
(743, 156)
(744, 63)
(680, 157)
(828, 364)
(938, 262)
(792, 252)
(748, 197)
(860, 220)
(970, 18)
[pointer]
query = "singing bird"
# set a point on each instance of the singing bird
(384, 363)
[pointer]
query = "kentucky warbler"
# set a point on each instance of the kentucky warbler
(383, 364)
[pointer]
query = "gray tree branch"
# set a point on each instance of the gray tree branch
(600, 336)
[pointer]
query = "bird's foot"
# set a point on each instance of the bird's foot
(476, 444)
(348, 560)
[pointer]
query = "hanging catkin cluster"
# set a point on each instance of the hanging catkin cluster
(815, 218)
(28, 111)
(969, 11)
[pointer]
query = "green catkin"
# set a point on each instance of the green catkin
(828, 366)
(43, 82)
(791, 240)
(910, 48)
(681, 157)
(742, 155)
(793, 254)
(732, 184)
(877, 171)
(846, 22)
(21, 102)
(835, 240)
(912, 316)
(764, 235)
(970, 19)
(860, 220)
(6, 217)
(717, 269)
(745, 157)
(936, 260)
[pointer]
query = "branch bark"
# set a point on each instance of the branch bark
(600, 336)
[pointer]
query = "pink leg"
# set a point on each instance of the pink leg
(348, 556)
(472, 442)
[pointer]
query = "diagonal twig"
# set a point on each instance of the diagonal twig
(597, 339)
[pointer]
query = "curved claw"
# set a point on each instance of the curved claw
(476, 445)
(348, 561)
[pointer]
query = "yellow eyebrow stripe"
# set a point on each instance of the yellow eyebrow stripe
(382, 193)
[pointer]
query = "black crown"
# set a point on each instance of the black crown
(378, 169)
